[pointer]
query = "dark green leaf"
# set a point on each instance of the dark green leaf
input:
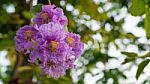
(137, 7)
(36, 9)
(141, 67)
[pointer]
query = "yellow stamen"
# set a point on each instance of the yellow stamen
(50, 64)
(28, 35)
(70, 41)
(53, 45)
(45, 17)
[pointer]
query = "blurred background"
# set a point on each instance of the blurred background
(114, 43)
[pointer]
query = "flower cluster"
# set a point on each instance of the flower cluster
(47, 43)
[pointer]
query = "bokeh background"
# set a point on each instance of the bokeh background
(114, 43)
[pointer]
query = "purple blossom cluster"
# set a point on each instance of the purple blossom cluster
(47, 42)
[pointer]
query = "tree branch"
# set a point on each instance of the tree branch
(19, 62)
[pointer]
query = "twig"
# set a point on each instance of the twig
(31, 4)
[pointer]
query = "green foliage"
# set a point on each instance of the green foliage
(137, 7)
(27, 14)
(147, 21)
(131, 57)
(3, 14)
(141, 67)
(36, 9)
(130, 54)
(147, 1)
(114, 74)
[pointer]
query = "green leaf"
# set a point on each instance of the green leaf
(24, 68)
(130, 54)
(130, 57)
(3, 14)
(130, 36)
(27, 14)
(127, 60)
(147, 22)
(6, 43)
(12, 56)
(137, 7)
(141, 67)
(37, 8)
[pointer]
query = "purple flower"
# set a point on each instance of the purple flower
(26, 39)
(73, 41)
(51, 52)
(49, 32)
(48, 29)
(69, 62)
(37, 55)
(55, 47)
(47, 42)
(50, 13)
(53, 69)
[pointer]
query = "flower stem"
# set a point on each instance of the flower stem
(49, 1)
